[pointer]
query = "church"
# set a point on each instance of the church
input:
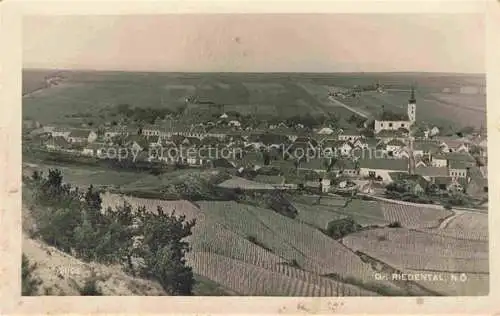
(393, 121)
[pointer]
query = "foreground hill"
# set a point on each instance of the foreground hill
(250, 250)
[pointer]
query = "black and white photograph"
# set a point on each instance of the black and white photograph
(255, 154)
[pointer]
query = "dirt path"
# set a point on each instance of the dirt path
(337, 102)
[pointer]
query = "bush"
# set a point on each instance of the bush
(90, 287)
(29, 283)
(338, 229)
(395, 224)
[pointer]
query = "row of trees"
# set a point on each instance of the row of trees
(150, 245)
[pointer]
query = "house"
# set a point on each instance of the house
(94, 149)
(457, 169)
(374, 168)
(394, 146)
(30, 124)
(115, 132)
(439, 160)
(154, 141)
(325, 185)
(274, 140)
(234, 123)
(57, 143)
(274, 180)
(420, 162)
(82, 136)
(137, 143)
(370, 143)
(325, 131)
(387, 136)
(434, 131)
(344, 148)
(465, 158)
(429, 173)
(453, 144)
(58, 131)
(345, 167)
(425, 148)
(317, 165)
(349, 135)
(151, 130)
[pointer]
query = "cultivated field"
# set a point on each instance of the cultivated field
(180, 207)
(471, 226)
(407, 249)
(414, 216)
(273, 94)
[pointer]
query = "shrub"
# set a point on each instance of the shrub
(395, 224)
(29, 283)
(90, 287)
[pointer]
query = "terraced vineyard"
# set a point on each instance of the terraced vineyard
(471, 226)
(408, 249)
(248, 279)
(255, 251)
(317, 215)
(180, 207)
(414, 216)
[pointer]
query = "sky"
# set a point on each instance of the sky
(258, 43)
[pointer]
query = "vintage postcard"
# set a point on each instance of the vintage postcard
(211, 157)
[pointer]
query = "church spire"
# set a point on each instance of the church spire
(412, 96)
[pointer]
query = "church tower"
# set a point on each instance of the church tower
(412, 106)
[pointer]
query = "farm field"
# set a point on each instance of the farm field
(414, 216)
(436, 108)
(317, 215)
(407, 249)
(471, 226)
(180, 207)
(85, 176)
(265, 94)
(246, 279)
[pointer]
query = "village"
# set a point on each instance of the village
(285, 156)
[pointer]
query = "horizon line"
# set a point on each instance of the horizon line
(254, 72)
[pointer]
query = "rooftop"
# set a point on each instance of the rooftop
(432, 171)
(384, 164)
(80, 133)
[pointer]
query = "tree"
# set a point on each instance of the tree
(163, 250)
(29, 282)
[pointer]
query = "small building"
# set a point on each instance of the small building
(94, 149)
(57, 143)
(394, 146)
(430, 173)
(439, 160)
(234, 123)
(452, 144)
(82, 136)
(317, 165)
(58, 131)
(457, 169)
(325, 131)
(349, 135)
(374, 168)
